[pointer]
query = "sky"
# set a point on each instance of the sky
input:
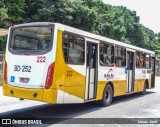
(148, 10)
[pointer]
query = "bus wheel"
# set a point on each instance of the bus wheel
(144, 88)
(107, 96)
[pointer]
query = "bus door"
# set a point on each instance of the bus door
(153, 69)
(91, 71)
(131, 71)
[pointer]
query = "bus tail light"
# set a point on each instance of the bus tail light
(5, 71)
(49, 77)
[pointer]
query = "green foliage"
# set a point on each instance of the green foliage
(114, 22)
(3, 43)
(3, 14)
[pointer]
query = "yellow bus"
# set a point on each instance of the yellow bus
(58, 64)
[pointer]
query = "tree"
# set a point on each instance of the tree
(3, 14)
(113, 22)
(3, 43)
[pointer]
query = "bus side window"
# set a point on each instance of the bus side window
(106, 54)
(101, 59)
(73, 49)
(137, 59)
(140, 59)
(120, 56)
(147, 61)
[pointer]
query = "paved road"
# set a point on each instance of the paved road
(131, 106)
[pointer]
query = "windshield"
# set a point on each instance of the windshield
(31, 39)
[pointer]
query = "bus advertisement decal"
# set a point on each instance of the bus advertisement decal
(109, 74)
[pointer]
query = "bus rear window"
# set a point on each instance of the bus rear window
(31, 39)
(25, 43)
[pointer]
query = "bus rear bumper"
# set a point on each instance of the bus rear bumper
(43, 95)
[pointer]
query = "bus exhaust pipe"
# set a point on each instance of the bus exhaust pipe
(21, 99)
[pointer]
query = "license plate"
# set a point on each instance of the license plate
(22, 68)
(24, 80)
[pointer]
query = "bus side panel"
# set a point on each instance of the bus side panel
(149, 81)
(50, 96)
(136, 86)
(149, 78)
(74, 82)
(59, 69)
(119, 88)
(141, 76)
(117, 76)
(69, 83)
(139, 79)
(140, 84)
(100, 88)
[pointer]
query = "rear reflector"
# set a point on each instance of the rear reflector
(49, 77)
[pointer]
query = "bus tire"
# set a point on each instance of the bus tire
(107, 96)
(144, 88)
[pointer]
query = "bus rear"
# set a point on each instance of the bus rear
(29, 62)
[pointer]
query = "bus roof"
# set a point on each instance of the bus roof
(88, 34)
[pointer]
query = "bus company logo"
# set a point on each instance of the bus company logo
(109, 74)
